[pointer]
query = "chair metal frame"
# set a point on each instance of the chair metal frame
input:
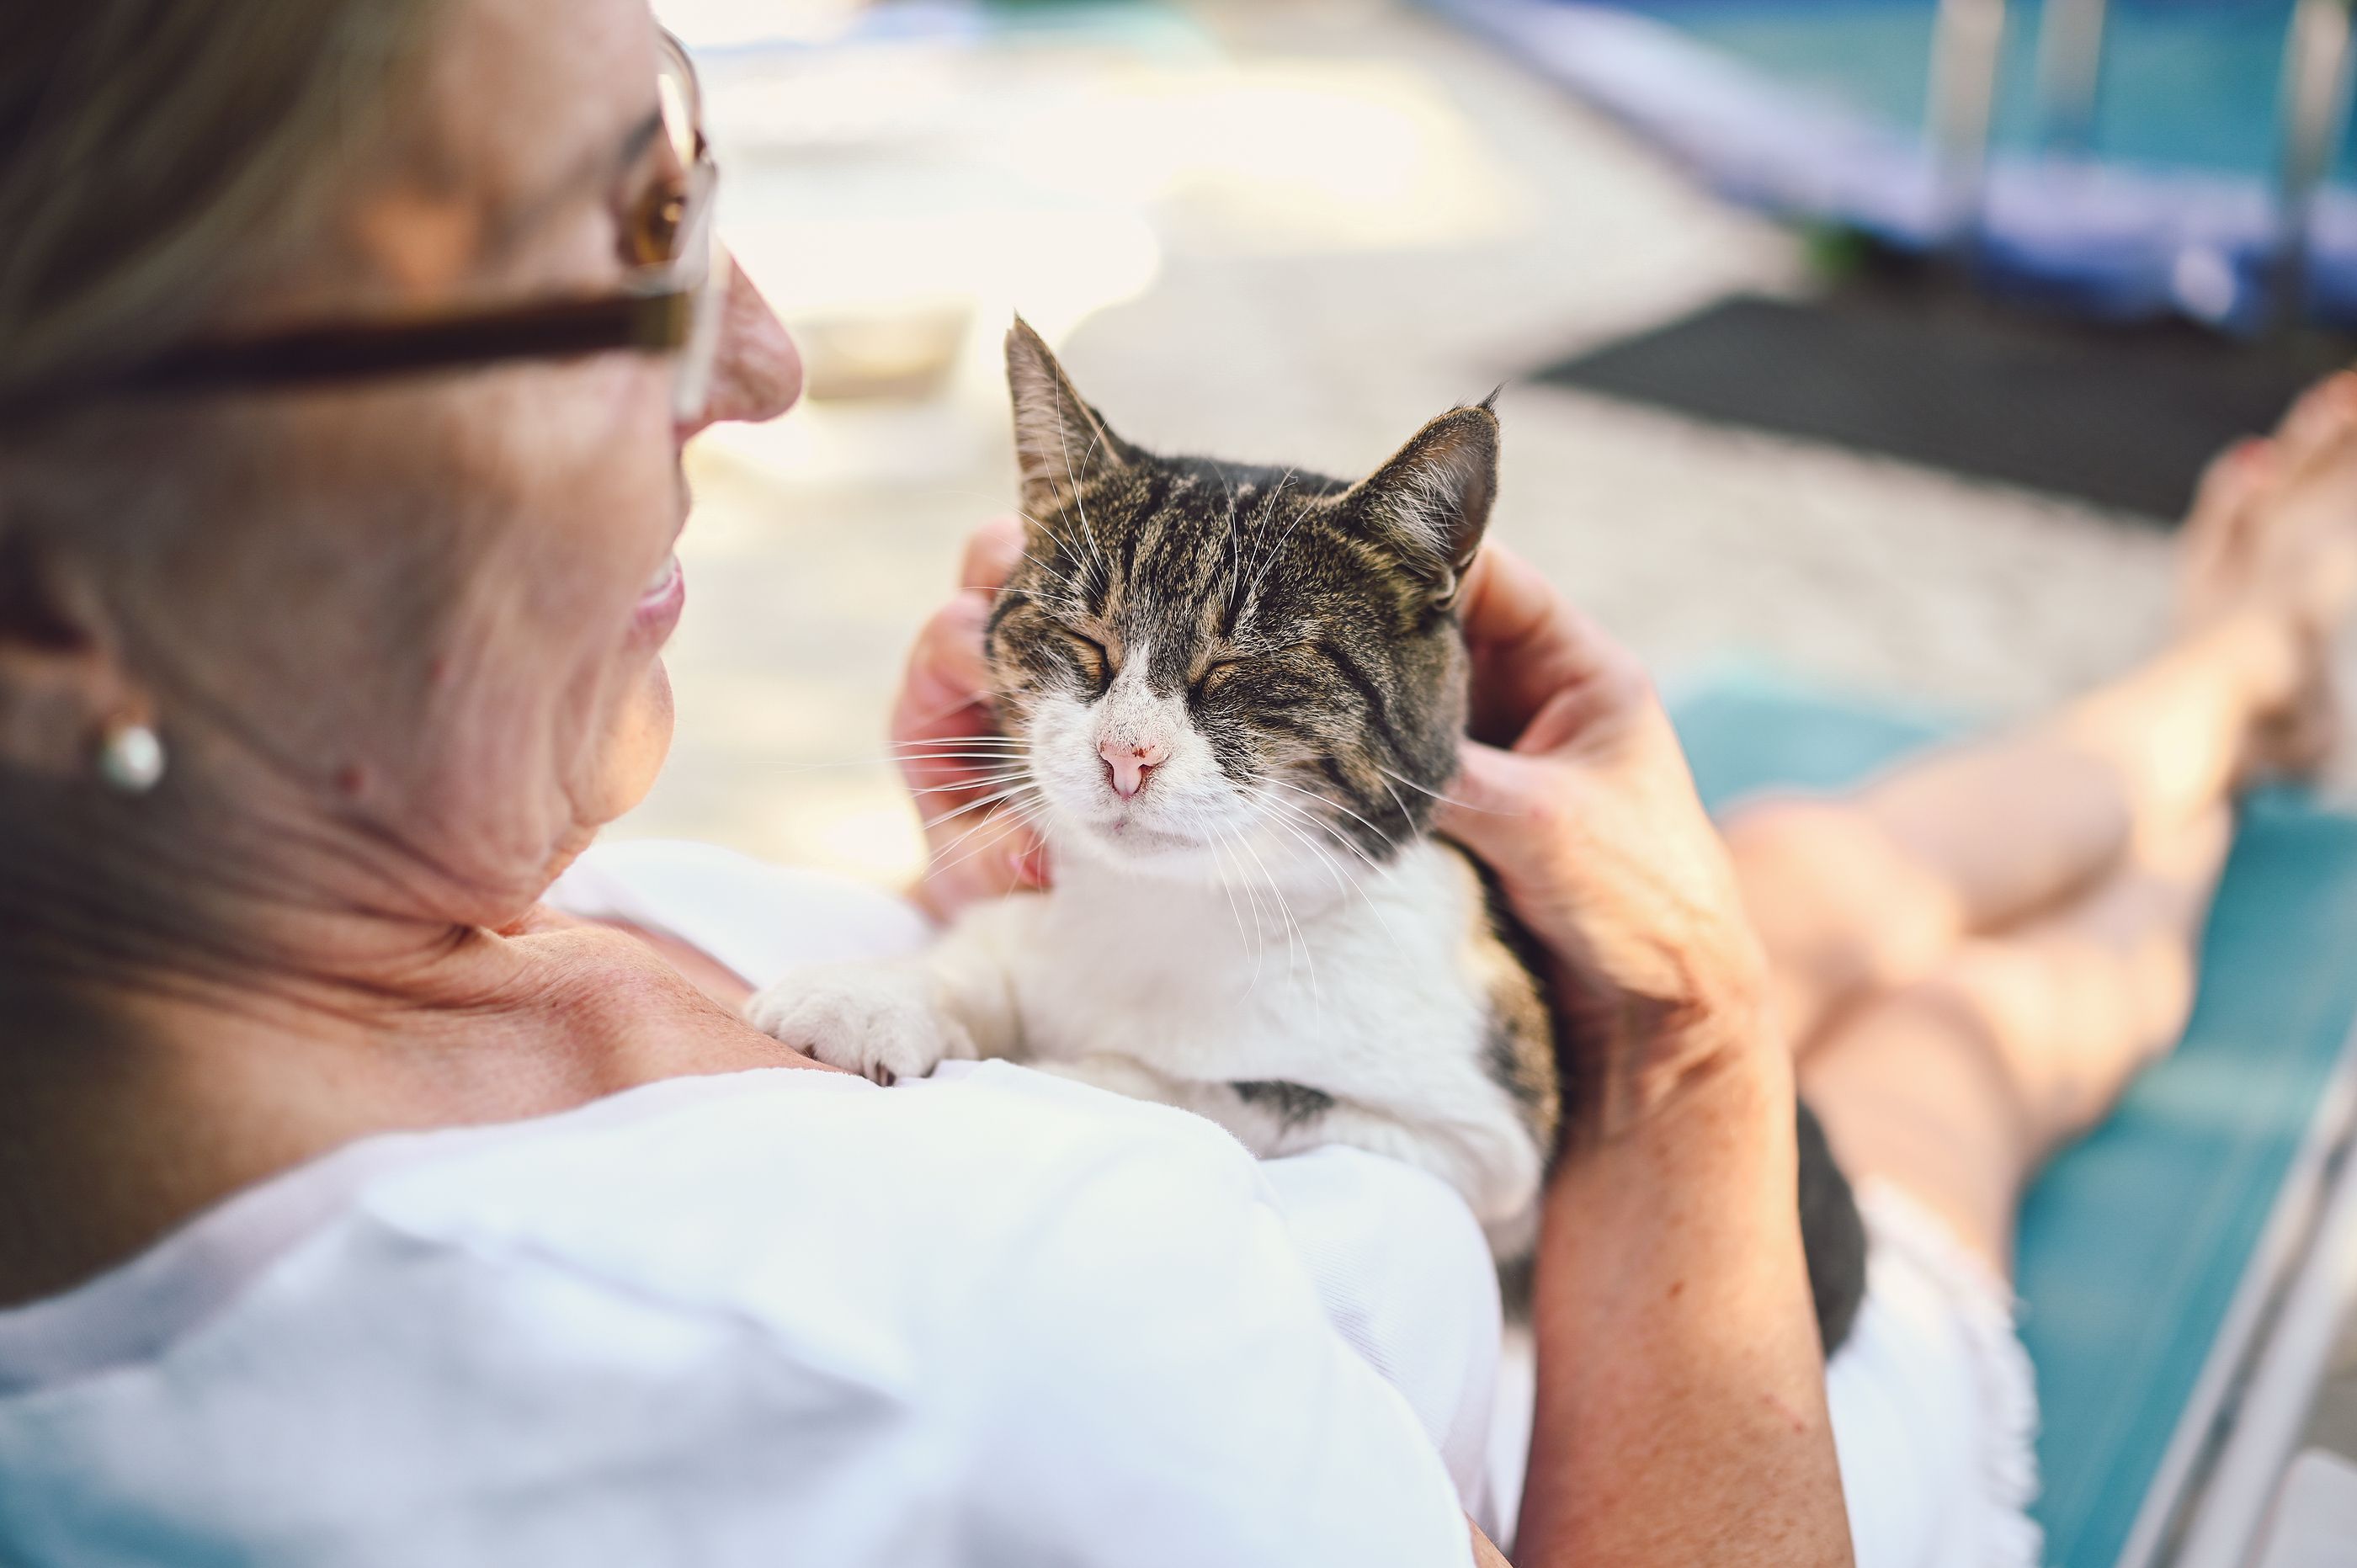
(1967, 53)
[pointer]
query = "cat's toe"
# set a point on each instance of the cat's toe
(882, 1023)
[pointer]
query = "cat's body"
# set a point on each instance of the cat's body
(1374, 1011)
(1231, 697)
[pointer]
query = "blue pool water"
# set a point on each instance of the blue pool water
(2187, 84)
(1814, 109)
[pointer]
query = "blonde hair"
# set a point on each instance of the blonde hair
(156, 151)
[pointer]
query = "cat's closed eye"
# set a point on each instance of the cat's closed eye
(1095, 663)
(1215, 675)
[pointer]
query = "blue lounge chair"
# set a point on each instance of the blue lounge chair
(2183, 1270)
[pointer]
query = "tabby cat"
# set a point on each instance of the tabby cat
(1231, 696)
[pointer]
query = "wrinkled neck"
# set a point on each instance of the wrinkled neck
(185, 1020)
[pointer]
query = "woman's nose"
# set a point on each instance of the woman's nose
(757, 373)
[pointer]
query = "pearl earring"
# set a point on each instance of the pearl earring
(129, 758)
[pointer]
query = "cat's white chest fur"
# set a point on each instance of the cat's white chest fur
(1318, 986)
(1369, 991)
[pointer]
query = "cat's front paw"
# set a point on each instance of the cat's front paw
(878, 1020)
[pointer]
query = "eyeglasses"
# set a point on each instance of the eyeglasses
(670, 304)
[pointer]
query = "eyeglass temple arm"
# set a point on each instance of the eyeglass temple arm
(652, 323)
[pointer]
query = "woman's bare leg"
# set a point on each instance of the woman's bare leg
(1958, 1086)
(2054, 884)
(1859, 895)
(1856, 897)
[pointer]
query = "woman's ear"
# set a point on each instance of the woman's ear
(1430, 504)
(61, 685)
(1061, 443)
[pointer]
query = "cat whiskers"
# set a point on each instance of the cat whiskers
(1215, 836)
(1294, 934)
(994, 500)
(947, 758)
(967, 747)
(1079, 503)
(1343, 884)
(985, 782)
(1252, 896)
(1026, 820)
(1224, 842)
(986, 750)
(992, 799)
(1337, 805)
(956, 743)
(951, 777)
(1428, 789)
(1023, 816)
(1344, 877)
(1092, 568)
(1076, 592)
(965, 761)
(1063, 602)
(1235, 548)
(1406, 816)
(1350, 845)
(1267, 555)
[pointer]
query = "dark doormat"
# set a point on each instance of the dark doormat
(1927, 371)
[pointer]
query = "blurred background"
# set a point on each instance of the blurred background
(1753, 412)
(1871, 342)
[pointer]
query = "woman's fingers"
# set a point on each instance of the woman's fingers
(1528, 644)
(942, 731)
(1587, 812)
(948, 674)
(1489, 786)
(945, 690)
(950, 750)
(987, 856)
(1495, 804)
(991, 552)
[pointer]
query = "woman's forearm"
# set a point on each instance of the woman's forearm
(1681, 1413)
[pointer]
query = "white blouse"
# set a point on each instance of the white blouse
(778, 1317)
(785, 1316)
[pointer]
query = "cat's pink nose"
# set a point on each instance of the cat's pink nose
(1126, 764)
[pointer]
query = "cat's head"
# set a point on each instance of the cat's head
(1215, 670)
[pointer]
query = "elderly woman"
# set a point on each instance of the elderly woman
(358, 1206)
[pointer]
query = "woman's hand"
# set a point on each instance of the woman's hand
(1671, 1301)
(1590, 820)
(949, 749)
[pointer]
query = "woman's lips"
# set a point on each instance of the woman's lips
(665, 596)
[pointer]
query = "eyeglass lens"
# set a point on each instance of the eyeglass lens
(700, 264)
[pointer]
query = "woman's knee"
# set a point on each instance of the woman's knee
(2059, 1024)
(1838, 902)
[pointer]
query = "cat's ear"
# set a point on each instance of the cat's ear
(1430, 504)
(1061, 443)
